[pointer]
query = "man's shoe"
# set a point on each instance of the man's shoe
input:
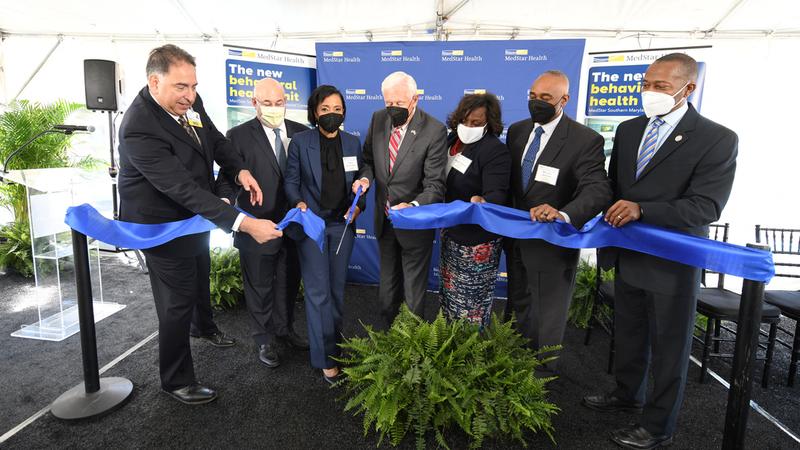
(334, 379)
(610, 403)
(268, 355)
(637, 437)
(194, 394)
(295, 341)
(218, 339)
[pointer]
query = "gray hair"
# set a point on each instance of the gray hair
(161, 58)
(395, 78)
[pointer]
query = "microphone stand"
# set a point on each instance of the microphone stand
(15, 152)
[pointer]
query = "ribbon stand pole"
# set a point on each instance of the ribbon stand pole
(95, 395)
(744, 358)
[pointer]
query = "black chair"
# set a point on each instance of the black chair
(719, 304)
(785, 242)
(604, 296)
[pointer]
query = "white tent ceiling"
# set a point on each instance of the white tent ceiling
(360, 19)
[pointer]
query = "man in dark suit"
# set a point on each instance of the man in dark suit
(405, 153)
(270, 271)
(558, 172)
(167, 149)
(672, 168)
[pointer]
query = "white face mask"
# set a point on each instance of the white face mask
(468, 135)
(272, 116)
(659, 103)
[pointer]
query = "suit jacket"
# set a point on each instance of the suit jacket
(304, 169)
(418, 172)
(684, 187)
(166, 176)
(582, 188)
(250, 141)
(488, 175)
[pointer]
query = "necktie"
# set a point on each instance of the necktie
(649, 146)
(394, 146)
(280, 152)
(188, 129)
(530, 157)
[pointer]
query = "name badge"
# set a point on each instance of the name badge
(547, 174)
(193, 118)
(461, 163)
(350, 163)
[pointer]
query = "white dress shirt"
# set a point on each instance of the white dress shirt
(270, 132)
(670, 122)
(543, 140)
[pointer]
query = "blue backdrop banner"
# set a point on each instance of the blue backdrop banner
(444, 72)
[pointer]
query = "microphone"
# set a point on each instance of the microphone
(73, 128)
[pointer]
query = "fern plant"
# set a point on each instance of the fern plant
(226, 278)
(422, 377)
(21, 121)
(580, 309)
(15, 248)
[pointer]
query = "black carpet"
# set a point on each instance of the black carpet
(290, 406)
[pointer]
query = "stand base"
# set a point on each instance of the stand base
(62, 325)
(77, 404)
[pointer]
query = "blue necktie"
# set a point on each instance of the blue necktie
(530, 157)
(649, 146)
(279, 150)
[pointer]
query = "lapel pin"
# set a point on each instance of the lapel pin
(678, 138)
(414, 132)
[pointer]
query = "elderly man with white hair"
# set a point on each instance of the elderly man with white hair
(405, 156)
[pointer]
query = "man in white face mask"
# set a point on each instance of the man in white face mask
(673, 168)
(270, 272)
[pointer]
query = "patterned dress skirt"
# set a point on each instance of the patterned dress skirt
(468, 274)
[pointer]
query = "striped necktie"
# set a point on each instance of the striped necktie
(189, 130)
(394, 146)
(649, 146)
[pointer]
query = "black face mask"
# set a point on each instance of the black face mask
(330, 122)
(398, 114)
(541, 111)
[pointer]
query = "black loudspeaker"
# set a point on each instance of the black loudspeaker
(101, 79)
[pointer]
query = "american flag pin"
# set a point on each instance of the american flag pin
(414, 132)
(678, 138)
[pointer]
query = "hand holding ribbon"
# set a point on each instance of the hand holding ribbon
(695, 251)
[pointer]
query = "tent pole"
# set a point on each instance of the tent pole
(39, 67)
(730, 11)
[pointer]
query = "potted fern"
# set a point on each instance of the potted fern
(423, 378)
(226, 278)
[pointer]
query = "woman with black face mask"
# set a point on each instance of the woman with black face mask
(323, 164)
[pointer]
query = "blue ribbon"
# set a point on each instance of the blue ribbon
(85, 219)
(722, 257)
(313, 225)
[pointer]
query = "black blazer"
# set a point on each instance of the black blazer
(489, 175)
(684, 187)
(582, 188)
(166, 176)
(250, 141)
